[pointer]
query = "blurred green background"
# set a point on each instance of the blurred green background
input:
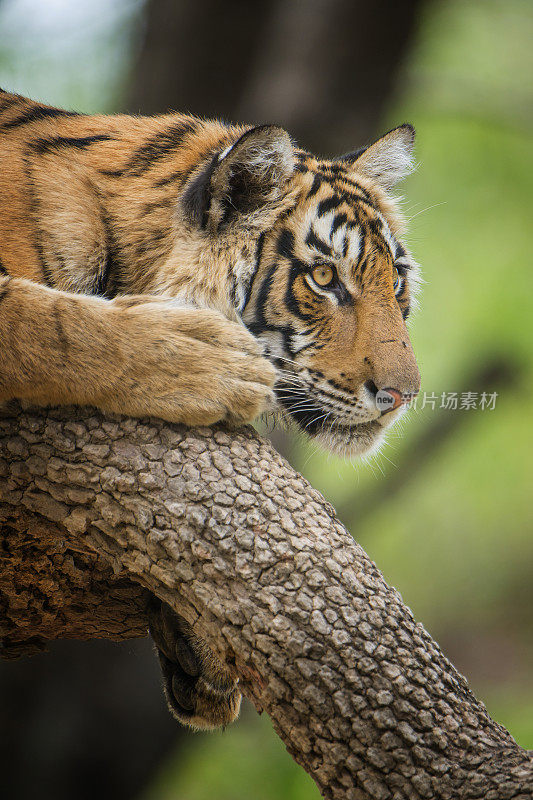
(446, 509)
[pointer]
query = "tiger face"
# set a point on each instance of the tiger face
(329, 300)
(320, 277)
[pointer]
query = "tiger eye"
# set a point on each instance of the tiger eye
(323, 275)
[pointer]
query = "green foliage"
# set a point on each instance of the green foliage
(248, 761)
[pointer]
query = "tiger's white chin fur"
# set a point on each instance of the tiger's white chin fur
(356, 440)
(364, 439)
(352, 441)
(345, 431)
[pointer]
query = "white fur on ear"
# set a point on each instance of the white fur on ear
(242, 180)
(388, 160)
(266, 152)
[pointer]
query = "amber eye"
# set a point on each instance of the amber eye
(323, 275)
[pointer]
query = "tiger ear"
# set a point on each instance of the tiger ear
(388, 160)
(241, 179)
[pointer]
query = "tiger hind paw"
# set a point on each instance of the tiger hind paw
(199, 689)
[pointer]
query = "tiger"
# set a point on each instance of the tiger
(202, 272)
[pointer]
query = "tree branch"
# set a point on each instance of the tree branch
(222, 529)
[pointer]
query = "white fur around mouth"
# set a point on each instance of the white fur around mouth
(356, 439)
(353, 440)
(336, 429)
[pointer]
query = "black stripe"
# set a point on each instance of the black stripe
(335, 181)
(312, 240)
(3, 270)
(290, 298)
(315, 186)
(233, 282)
(183, 175)
(375, 226)
(360, 194)
(285, 243)
(328, 205)
(344, 298)
(197, 195)
(285, 247)
(9, 101)
(174, 176)
(56, 142)
(260, 324)
(400, 251)
(63, 340)
(257, 261)
(353, 184)
(36, 113)
(112, 173)
(354, 200)
(109, 283)
(37, 238)
(159, 146)
(155, 205)
(100, 286)
(345, 246)
(339, 220)
(145, 244)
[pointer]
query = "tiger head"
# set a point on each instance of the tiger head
(319, 276)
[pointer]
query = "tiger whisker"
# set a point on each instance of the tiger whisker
(287, 360)
(315, 420)
(423, 210)
(303, 406)
(294, 386)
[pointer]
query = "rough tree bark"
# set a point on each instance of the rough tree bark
(95, 511)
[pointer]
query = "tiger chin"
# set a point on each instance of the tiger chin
(200, 272)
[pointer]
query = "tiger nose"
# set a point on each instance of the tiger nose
(388, 399)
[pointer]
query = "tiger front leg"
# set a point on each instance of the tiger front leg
(139, 356)
(190, 365)
(199, 689)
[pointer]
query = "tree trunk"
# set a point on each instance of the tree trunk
(217, 525)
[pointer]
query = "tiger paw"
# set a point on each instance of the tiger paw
(199, 689)
(189, 365)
